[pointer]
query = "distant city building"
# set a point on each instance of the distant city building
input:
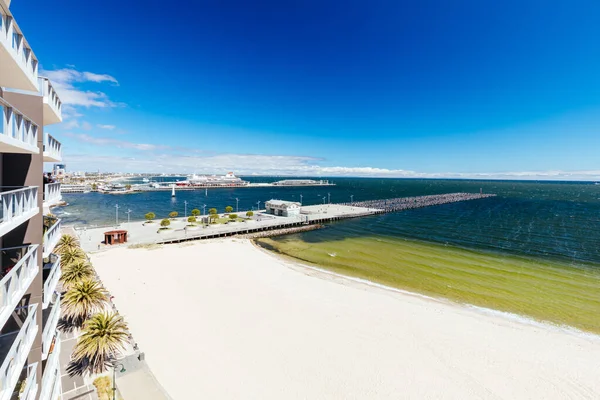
(59, 169)
(283, 208)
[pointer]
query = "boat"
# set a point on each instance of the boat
(116, 188)
(146, 180)
(228, 179)
(66, 188)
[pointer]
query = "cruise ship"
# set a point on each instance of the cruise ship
(29, 269)
(212, 180)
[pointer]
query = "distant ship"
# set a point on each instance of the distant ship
(213, 180)
(145, 180)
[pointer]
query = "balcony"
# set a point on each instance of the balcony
(31, 386)
(17, 206)
(15, 344)
(18, 64)
(50, 318)
(19, 268)
(51, 384)
(51, 274)
(52, 194)
(18, 134)
(52, 103)
(52, 149)
(51, 235)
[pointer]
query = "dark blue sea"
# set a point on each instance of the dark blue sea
(558, 220)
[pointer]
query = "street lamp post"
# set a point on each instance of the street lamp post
(329, 198)
(258, 205)
(128, 212)
(324, 198)
(237, 203)
(300, 199)
(351, 198)
(114, 388)
(185, 208)
(117, 211)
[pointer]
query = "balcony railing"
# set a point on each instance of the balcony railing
(14, 349)
(17, 206)
(18, 64)
(51, 277)
(31, 385)
(18, 134)
(52, 149)
(19, 266)
(50, 321)
(52, 103)
(51, 378)
(52, 194)
(51, 238)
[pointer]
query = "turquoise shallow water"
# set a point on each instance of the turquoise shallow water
(539, 219)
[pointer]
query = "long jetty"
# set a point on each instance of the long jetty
(319, 214)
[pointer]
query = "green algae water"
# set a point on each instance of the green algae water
(534, 250)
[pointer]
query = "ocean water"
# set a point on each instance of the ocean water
(541, 219)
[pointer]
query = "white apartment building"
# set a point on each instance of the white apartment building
(29, 270)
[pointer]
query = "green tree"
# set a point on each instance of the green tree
(150, 216)
(66, 242)
(228, 209)
(195, 212)
(82, 300)
(173, 214)
(191, 219)
(94, 186)
(76, 272)
(233, 216)
(165, 222)
(249, 213)
(212, 218)
(70, 256)
(102, 340)
(128, 186)
(212, 211)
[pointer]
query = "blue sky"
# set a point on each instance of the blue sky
(379, 88)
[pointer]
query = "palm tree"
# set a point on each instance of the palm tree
(71, 256)
(67, 242)
(82, 300)
(76, 272)
(103, 338)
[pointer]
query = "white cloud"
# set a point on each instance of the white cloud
(64, 81)
(100, 141)
(86, 126)
(153, 159)
(109, 127)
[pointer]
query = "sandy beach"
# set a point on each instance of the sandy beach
(226, 320)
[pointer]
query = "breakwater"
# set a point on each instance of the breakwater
(407, 203)
(285, 231)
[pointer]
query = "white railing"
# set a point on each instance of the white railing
(16, 130)
(31, 387)
(52, 194)
(51, 238)
(50, 96)
(51, 280)
(49, 330)
(15, 44)
(15, 359)
(14, 285)
(52, 148)
(17, 206)
(51, 377)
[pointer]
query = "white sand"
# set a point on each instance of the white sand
(224, 320)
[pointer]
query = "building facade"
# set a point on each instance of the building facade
(283, 208)
(29, 270)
